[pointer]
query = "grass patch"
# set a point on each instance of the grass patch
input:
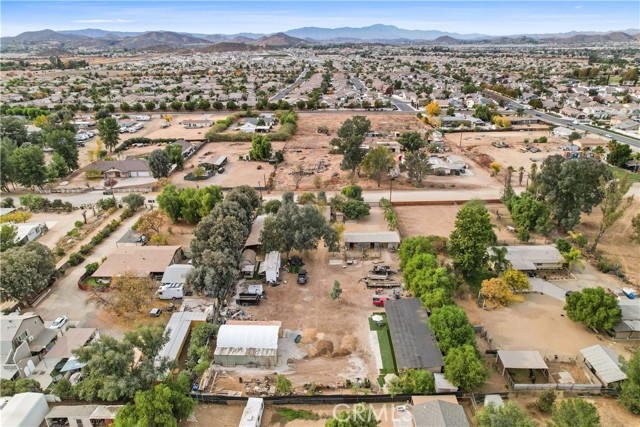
(619, 173)
(475, 280)
(297, 414)
(386, 348)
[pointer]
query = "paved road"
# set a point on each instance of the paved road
(566, 121)
(66, 298)
(402, 105)
(284, 92)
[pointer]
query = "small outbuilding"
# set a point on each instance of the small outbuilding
(371, 240)
(529, 360)
(179, 327)
(248, 343)
(603, 362)
(270, 267)
(248, 263)
(439, 413)
(253, 241)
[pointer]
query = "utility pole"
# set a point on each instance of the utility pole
(390, 188)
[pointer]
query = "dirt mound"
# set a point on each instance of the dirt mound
(323, 348)
(309, 335)
(348, 344)
(484, 159)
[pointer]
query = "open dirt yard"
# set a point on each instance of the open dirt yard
(616, 243)
(237, 172)
(335, 334)
(440, 220)
(230, 415)
(539, 323)
(612, 414)
(311, 150)
(176, 130)
(476, 143)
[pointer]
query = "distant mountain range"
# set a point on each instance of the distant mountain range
(386, 34)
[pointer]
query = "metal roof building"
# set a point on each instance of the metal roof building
(176, 273)
(247, 343)
(23, 410)
(179, 327)
(371, 240)
(522, 360)
(604, 363)
(414, 345)
(530, 258)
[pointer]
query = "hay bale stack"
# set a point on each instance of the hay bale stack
(323, 348)
(348, 344)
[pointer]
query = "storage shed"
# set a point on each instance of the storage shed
(248, 343)
(270, 267)
(603, 362)
(248, 263)
(373, 240)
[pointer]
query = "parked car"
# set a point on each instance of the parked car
(378, 301)
(155, 312)
(302, 277)
(220, 170)
(107, 193)
(59, 322)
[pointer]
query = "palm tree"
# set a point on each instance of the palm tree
(499, 259)
(599, 152)
(520, 175)
(510, 170)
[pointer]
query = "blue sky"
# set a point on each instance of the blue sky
(210, 17)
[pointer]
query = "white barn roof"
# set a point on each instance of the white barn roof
(605, 362)
(378, 237)
(176, 273)
(250, 339)
(522, 359)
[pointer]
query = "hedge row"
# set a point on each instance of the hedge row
(77, 257)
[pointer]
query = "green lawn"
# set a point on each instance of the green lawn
(619, 173)
(386, 348)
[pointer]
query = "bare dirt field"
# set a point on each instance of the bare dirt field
(335, 334)
(440, 220)
(616, 243)
(237, 172)
(539, 323)
(58, 223)
(612, 414)
(476, 143)
(176, 130)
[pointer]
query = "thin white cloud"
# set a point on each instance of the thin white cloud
(101, 21)
(578, 7)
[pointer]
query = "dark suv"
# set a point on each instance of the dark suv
(302, 277)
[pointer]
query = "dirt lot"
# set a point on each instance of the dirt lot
(476, 143)
(237, 172)
(176, 130)
(338, 327)
(612, 414)
(615, 244)
(440, 220)
(58, 223)
(309, 148)
(538, 324)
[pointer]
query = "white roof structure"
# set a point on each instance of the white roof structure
(522, 359)
(605, 362)
(442, 384)
(252, 412)
(496, 399)
(24, 410)
(526, 257)
(176, 273)
(248, 338)
(376, 237)
(179, 326)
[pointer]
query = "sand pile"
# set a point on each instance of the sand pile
(309, 335)
(323, 348)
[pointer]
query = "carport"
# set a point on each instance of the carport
(531, 360)
(604, 363)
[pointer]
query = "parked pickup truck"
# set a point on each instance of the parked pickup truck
(382, 270)
(245, 299)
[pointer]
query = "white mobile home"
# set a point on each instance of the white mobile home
(270, 267)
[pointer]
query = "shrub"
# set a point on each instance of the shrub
(546, 401)
(75, 259)
(86, 249)
(16, 217)
(58, 251)
(91, 268)
(563, 245)
(78, 224)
